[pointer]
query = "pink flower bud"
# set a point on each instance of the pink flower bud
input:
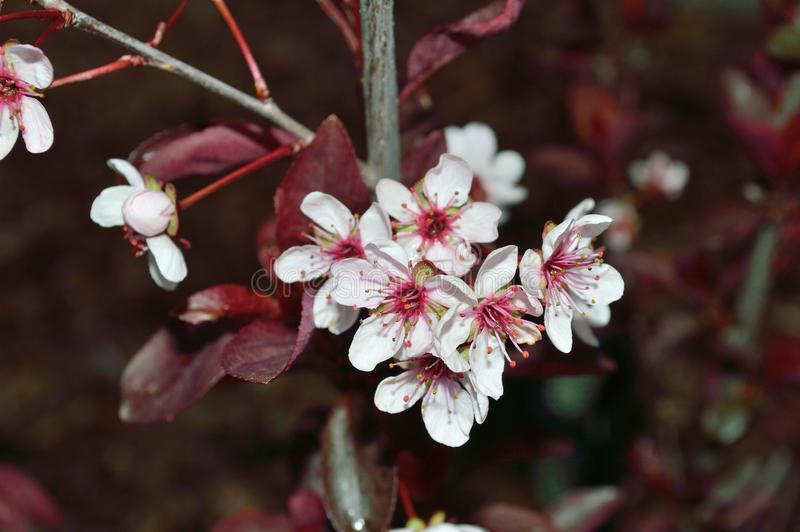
(148, 212)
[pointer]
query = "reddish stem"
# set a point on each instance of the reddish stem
(262, 92)
(57, 24)
(38, 14)
(405, 498)
(122, 63)
(226, 180)
(162, 27)
(338, 18)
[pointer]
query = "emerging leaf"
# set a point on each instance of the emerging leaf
(23, 502)
(227, 301)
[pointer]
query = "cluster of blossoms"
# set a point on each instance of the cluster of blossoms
(410, 261)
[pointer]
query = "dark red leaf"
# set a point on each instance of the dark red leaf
(169, 373)
(585, 510)
(564, 165)
(358, 494)
(422, 475)
(23, 502)
(549, 363)
(264, 349)
(503, 517)
(445, 43)
(782, 360)
(227, 301)
(647, 460)
(423, 156)
(307, 511)
(599, 119)
(329, 164)
(189, 150)
(253, 520)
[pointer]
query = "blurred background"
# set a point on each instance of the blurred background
(700, 430)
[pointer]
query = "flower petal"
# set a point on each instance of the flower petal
(476, 143)
(30, 64)
(530, 273)
(448, 183)
(584, 331)
(128, 171)
(496, 271)
(328, 314)
(452, 331)
(528, 333)
(581, 209)
(591, 225)
(450, 291)
(396, 200)
(301, 263)
(373, 343)
(357, 282)
(554, 235)
(389, 256)
(158, 278)
(598, 315)
(610, 284)
(37, 130)
(418, 340)
(478, 223)
(107, 207)
(454, 258)
(487, 367)
(398, 393)
(168, 257)
(448, 414)
(374, 225)
(507, 167)
(328, 213)
(480, 402)
(9, 130)
(558, 324)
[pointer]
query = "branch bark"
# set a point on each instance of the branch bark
(158, 59)
(380, 90)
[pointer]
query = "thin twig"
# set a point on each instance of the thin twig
(226, 180)
(338, 18)
(122, 63)
(262, 92)
(38, 14)
(380, 89)
(158, 59)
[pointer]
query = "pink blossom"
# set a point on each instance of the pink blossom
(436, 220)
(660, 173)
(24, 72)
(337, 235)
(623, 230)
(491, 316)
(577, 286)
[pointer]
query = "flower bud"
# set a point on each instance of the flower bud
(148, 212)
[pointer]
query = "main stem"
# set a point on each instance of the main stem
(166, 62)
(380, 90)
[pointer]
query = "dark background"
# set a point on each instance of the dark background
(76, 306)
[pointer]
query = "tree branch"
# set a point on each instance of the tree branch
(380, 89)
(158, 59)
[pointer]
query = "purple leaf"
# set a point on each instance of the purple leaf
(23, 502)
(585, 510)
(423, 156)
(227, 301)
(170, 373)
(252, 520)
(329, 165)
(358, 493)
(445, 43)
(188, 150)
(306, 511)
(565, 165)
(265, 349)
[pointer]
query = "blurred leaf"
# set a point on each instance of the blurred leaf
(585, 510)
(307, 511)
(565, 165)
(252, 520)
(570, 397)
(503, 517)
(443, 44)
(23, 502)
(599, 119)
(784, 43)
(329, 165)
(782, 360)
(169, 373)
(265, 349)
(227, 301)
(359, 495)
(423, 156)
(188, 150)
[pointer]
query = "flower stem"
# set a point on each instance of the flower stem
(226, 180)
(405, 498)
(122, 63)
(262, 92)
(379, 82)
(158, 59)
(38, 14)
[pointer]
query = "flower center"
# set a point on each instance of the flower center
(432, 373)
(497, 316)
(434, 224)
(407, 300)
(8, 89)
(347, 248)
(568, 271)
